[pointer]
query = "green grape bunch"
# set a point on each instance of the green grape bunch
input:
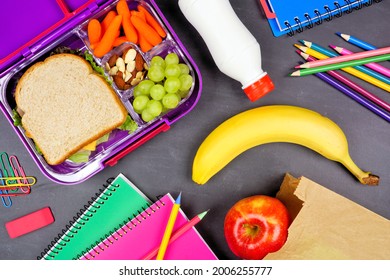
(169, 81)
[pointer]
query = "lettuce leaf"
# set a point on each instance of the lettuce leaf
(16, 117)
(129, 125)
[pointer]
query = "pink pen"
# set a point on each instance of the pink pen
(374, 66)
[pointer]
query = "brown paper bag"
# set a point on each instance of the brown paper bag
(327, 226)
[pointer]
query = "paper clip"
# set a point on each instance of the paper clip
(4, 160)
(19, 171)
(5, 198)
(10, 182)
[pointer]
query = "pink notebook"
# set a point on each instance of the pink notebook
(143, 233)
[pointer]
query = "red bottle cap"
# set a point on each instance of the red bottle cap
(259, 88)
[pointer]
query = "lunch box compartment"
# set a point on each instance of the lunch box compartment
(14, 64)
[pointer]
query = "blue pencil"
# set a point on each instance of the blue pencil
(329, 53)
(357, 42)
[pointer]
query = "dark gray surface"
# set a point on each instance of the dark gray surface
(164, 163)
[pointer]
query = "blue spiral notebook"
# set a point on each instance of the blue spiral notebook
(288, 17)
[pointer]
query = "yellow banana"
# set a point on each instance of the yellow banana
(277, 123)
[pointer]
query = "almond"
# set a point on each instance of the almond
(121, 64)
(119, 81)
(130, 56)
(113, 71)
(125, 52)
(130, 66)
(139, 62)
(127, 76)
(112, 60)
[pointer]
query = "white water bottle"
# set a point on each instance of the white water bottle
(234, 49)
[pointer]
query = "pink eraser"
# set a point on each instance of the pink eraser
(29, 222)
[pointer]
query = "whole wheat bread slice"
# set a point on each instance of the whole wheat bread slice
(66, 106)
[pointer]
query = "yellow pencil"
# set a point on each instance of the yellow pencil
(168, 229)
(349, 70)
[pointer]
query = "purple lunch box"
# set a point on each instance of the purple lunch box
(32, 29)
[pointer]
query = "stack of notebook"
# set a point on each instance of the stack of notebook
(121, 223)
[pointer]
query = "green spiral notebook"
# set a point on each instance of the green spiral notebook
(114, 206)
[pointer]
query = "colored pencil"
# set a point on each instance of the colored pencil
(168, 230)
(350, 93)
(318, 48)
(178, 233)
(344, 80)
(327, 67)
(350, 70)
(374, 66)
(359, 68)
(357, 42)
(345, 58)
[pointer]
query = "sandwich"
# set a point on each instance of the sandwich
(65, 105)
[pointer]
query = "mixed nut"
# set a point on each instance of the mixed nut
(128, 69)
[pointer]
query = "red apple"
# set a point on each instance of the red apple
(256, 226)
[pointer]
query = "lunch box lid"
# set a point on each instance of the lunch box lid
(28, 25)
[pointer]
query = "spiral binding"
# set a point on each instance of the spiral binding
(79, 220)
(328, 15)
(101, 245)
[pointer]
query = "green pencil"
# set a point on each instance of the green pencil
(310, 71)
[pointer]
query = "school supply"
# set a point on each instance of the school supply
(374, 66)
(327, 67)
(117, 203)
(13, 180)
(288, 17)
(336, 83)
(347, 58)
(359, 71)
(350, 70)
(4, 194)
(135, 239)
(178, 233)
(29, 222)
(381, 103)
(169, 228)
(357, 42)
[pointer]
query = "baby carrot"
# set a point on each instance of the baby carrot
(107, 20)
(128, 28)
(119, 40)
(122, 8)
(94, 31)
(152, 21)
(139, 14)
(109, 37)
(146, 31)
(144, 44)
